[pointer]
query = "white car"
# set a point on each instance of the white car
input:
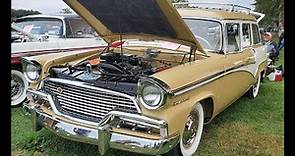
(42, 34)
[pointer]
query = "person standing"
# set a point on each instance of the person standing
(271, 46)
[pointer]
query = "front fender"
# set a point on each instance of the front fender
(177, 109)
(48, 60)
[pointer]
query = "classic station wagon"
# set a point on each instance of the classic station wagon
(177, 69)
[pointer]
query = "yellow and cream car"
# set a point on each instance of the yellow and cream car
(173, 72)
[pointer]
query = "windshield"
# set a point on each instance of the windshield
(208, 33)
(41, 26)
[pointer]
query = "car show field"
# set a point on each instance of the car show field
(247, 127)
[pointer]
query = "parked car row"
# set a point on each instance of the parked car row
(175, 71)
(43, 34)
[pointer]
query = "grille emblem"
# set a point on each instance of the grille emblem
(59, 90)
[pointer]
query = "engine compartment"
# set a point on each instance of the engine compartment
(115, 71)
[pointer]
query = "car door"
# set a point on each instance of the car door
(257, 47)
(239, 54)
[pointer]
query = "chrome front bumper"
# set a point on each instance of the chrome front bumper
(101, 135)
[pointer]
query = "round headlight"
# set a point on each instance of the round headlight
(151, 96)
(31, 71)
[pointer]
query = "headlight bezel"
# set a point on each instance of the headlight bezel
(147, 82)
(25, 63)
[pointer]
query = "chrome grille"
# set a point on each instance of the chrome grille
(87, 103)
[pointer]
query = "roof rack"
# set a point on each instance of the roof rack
(220, 6)
(214, 6)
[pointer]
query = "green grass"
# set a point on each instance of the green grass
(247, 127)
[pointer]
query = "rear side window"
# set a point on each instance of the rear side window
(256, 35)
(78, 28)
(233, 37)
(246, 39)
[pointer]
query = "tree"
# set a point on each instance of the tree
(16, 13)
(271, 10)
(281, 14)
(66, 11)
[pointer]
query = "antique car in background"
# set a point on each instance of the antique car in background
(177, 69)
(42, 34)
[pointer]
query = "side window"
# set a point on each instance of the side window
(256, 35)
(78, 28)
(233, 37)
(246, 37)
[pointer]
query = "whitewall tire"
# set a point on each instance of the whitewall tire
(192, 133)
(19, 86)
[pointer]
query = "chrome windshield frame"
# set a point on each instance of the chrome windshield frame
(212, 20)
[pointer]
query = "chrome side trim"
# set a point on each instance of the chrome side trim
(208, 79)
(196, 84)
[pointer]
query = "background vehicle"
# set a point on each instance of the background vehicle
(42, 34)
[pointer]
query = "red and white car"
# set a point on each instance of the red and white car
(43, 34)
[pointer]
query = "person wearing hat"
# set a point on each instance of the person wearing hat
(271, 46)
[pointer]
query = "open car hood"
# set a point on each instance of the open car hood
(135, 19)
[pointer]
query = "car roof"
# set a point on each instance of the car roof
(60, 16)
(215, 14)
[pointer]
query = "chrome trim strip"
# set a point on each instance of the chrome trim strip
(207, 80)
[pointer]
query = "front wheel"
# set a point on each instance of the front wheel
(189, 142)
(253, 91)
(18, 87)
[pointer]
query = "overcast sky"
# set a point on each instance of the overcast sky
(54, 6)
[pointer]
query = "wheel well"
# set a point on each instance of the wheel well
(208, 108)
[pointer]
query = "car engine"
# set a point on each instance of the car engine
(119, 72)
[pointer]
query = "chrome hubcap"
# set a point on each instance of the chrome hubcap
(190, 130)
(17, 87)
